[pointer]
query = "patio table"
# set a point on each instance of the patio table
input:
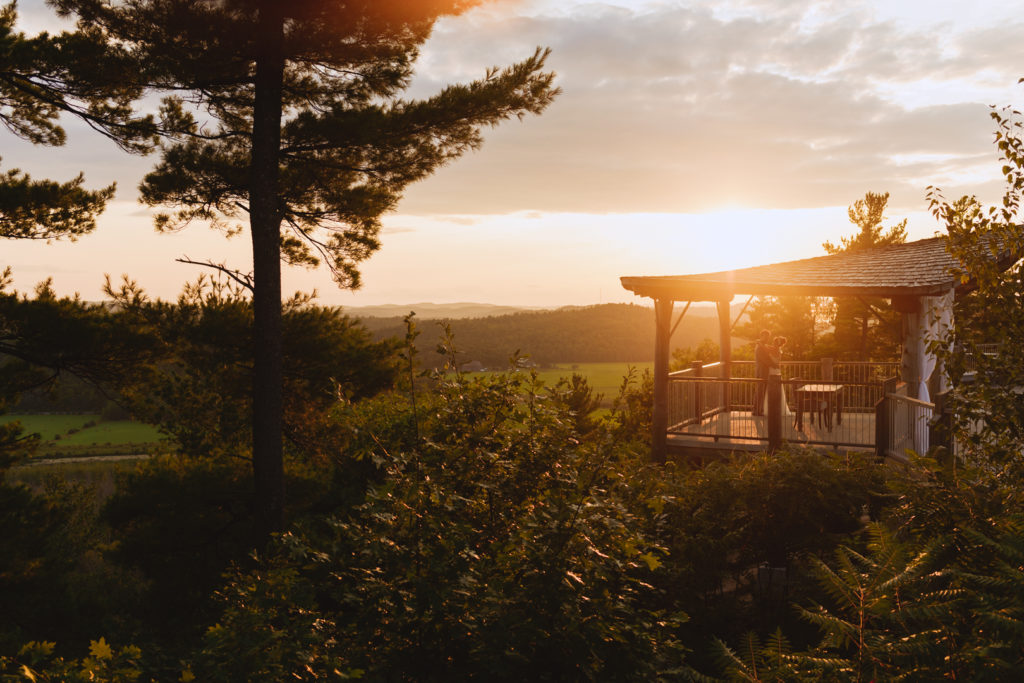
(831, 395)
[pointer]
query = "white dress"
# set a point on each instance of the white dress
(784, 406)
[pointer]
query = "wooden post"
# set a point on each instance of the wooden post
(774, 413)
(910, 308)
(725, 349)
(697, 367)
(882, 428)
(659, 418)
(883, 415)
(940, 431)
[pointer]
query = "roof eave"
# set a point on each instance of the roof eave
(665, 288)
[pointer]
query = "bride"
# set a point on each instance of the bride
(775, 352)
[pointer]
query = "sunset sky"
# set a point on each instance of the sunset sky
(690, 137)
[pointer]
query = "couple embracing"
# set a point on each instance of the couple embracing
(768, 361)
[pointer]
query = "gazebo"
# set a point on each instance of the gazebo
(916, 276)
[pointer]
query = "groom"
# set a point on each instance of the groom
(763, 362)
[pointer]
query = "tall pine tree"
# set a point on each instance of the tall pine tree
(867, 328)
(289, 116)
(42, 77)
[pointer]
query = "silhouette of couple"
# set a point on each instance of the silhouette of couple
(768, 361)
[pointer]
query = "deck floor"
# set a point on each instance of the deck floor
(744, 431)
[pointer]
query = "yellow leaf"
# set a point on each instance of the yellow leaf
(652, 561)
(99, 649)
(187, 676)
(657, 504)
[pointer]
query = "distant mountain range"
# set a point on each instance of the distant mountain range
(462, 310)
(429, 311)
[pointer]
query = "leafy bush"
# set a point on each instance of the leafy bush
(54, 580)
(498, 545)
(730, 524)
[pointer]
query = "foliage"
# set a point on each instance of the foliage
(738, 532)
(632, 410)
(589, 334)
(502, 544)
(706, 352)
(939, 598)
(289, 116)
(46, 209)
(66, 335)
(989, 320)
(867, 214)
(862, 329)
(44, 337)
(867, 328)
(54, 582)
(43, 77)
(755, 660)
(180, 522)
(37, 662)
(789, 316)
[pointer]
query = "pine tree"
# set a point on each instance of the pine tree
(855, 333)
(42, 77)
(288, 116)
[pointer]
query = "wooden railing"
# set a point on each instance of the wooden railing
(903, 424)
(826, 370)
(733, 410)
(705, 405)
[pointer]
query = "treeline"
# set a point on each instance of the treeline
(591, 334)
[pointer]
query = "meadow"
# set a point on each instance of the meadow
(604, 378)
(83, 435)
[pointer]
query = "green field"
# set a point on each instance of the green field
(604, 378)
(69, 435)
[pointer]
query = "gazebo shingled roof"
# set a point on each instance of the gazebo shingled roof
(920, 268)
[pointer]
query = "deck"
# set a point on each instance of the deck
(839, 407)
(742, 430)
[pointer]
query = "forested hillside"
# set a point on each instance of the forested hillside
(602, 333)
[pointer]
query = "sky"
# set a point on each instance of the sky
(690, 136)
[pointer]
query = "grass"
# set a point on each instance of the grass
(604, 378)
(87, 435)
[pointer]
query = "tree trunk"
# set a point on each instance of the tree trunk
(265, 226)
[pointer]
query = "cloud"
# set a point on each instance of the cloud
(670, 108)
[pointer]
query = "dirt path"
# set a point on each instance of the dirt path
(84, 458)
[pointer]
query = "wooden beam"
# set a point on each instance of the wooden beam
(679, 319)
(659, 418)
(725, 347)
(742, 311)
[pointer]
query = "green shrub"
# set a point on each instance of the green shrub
(498, 544)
